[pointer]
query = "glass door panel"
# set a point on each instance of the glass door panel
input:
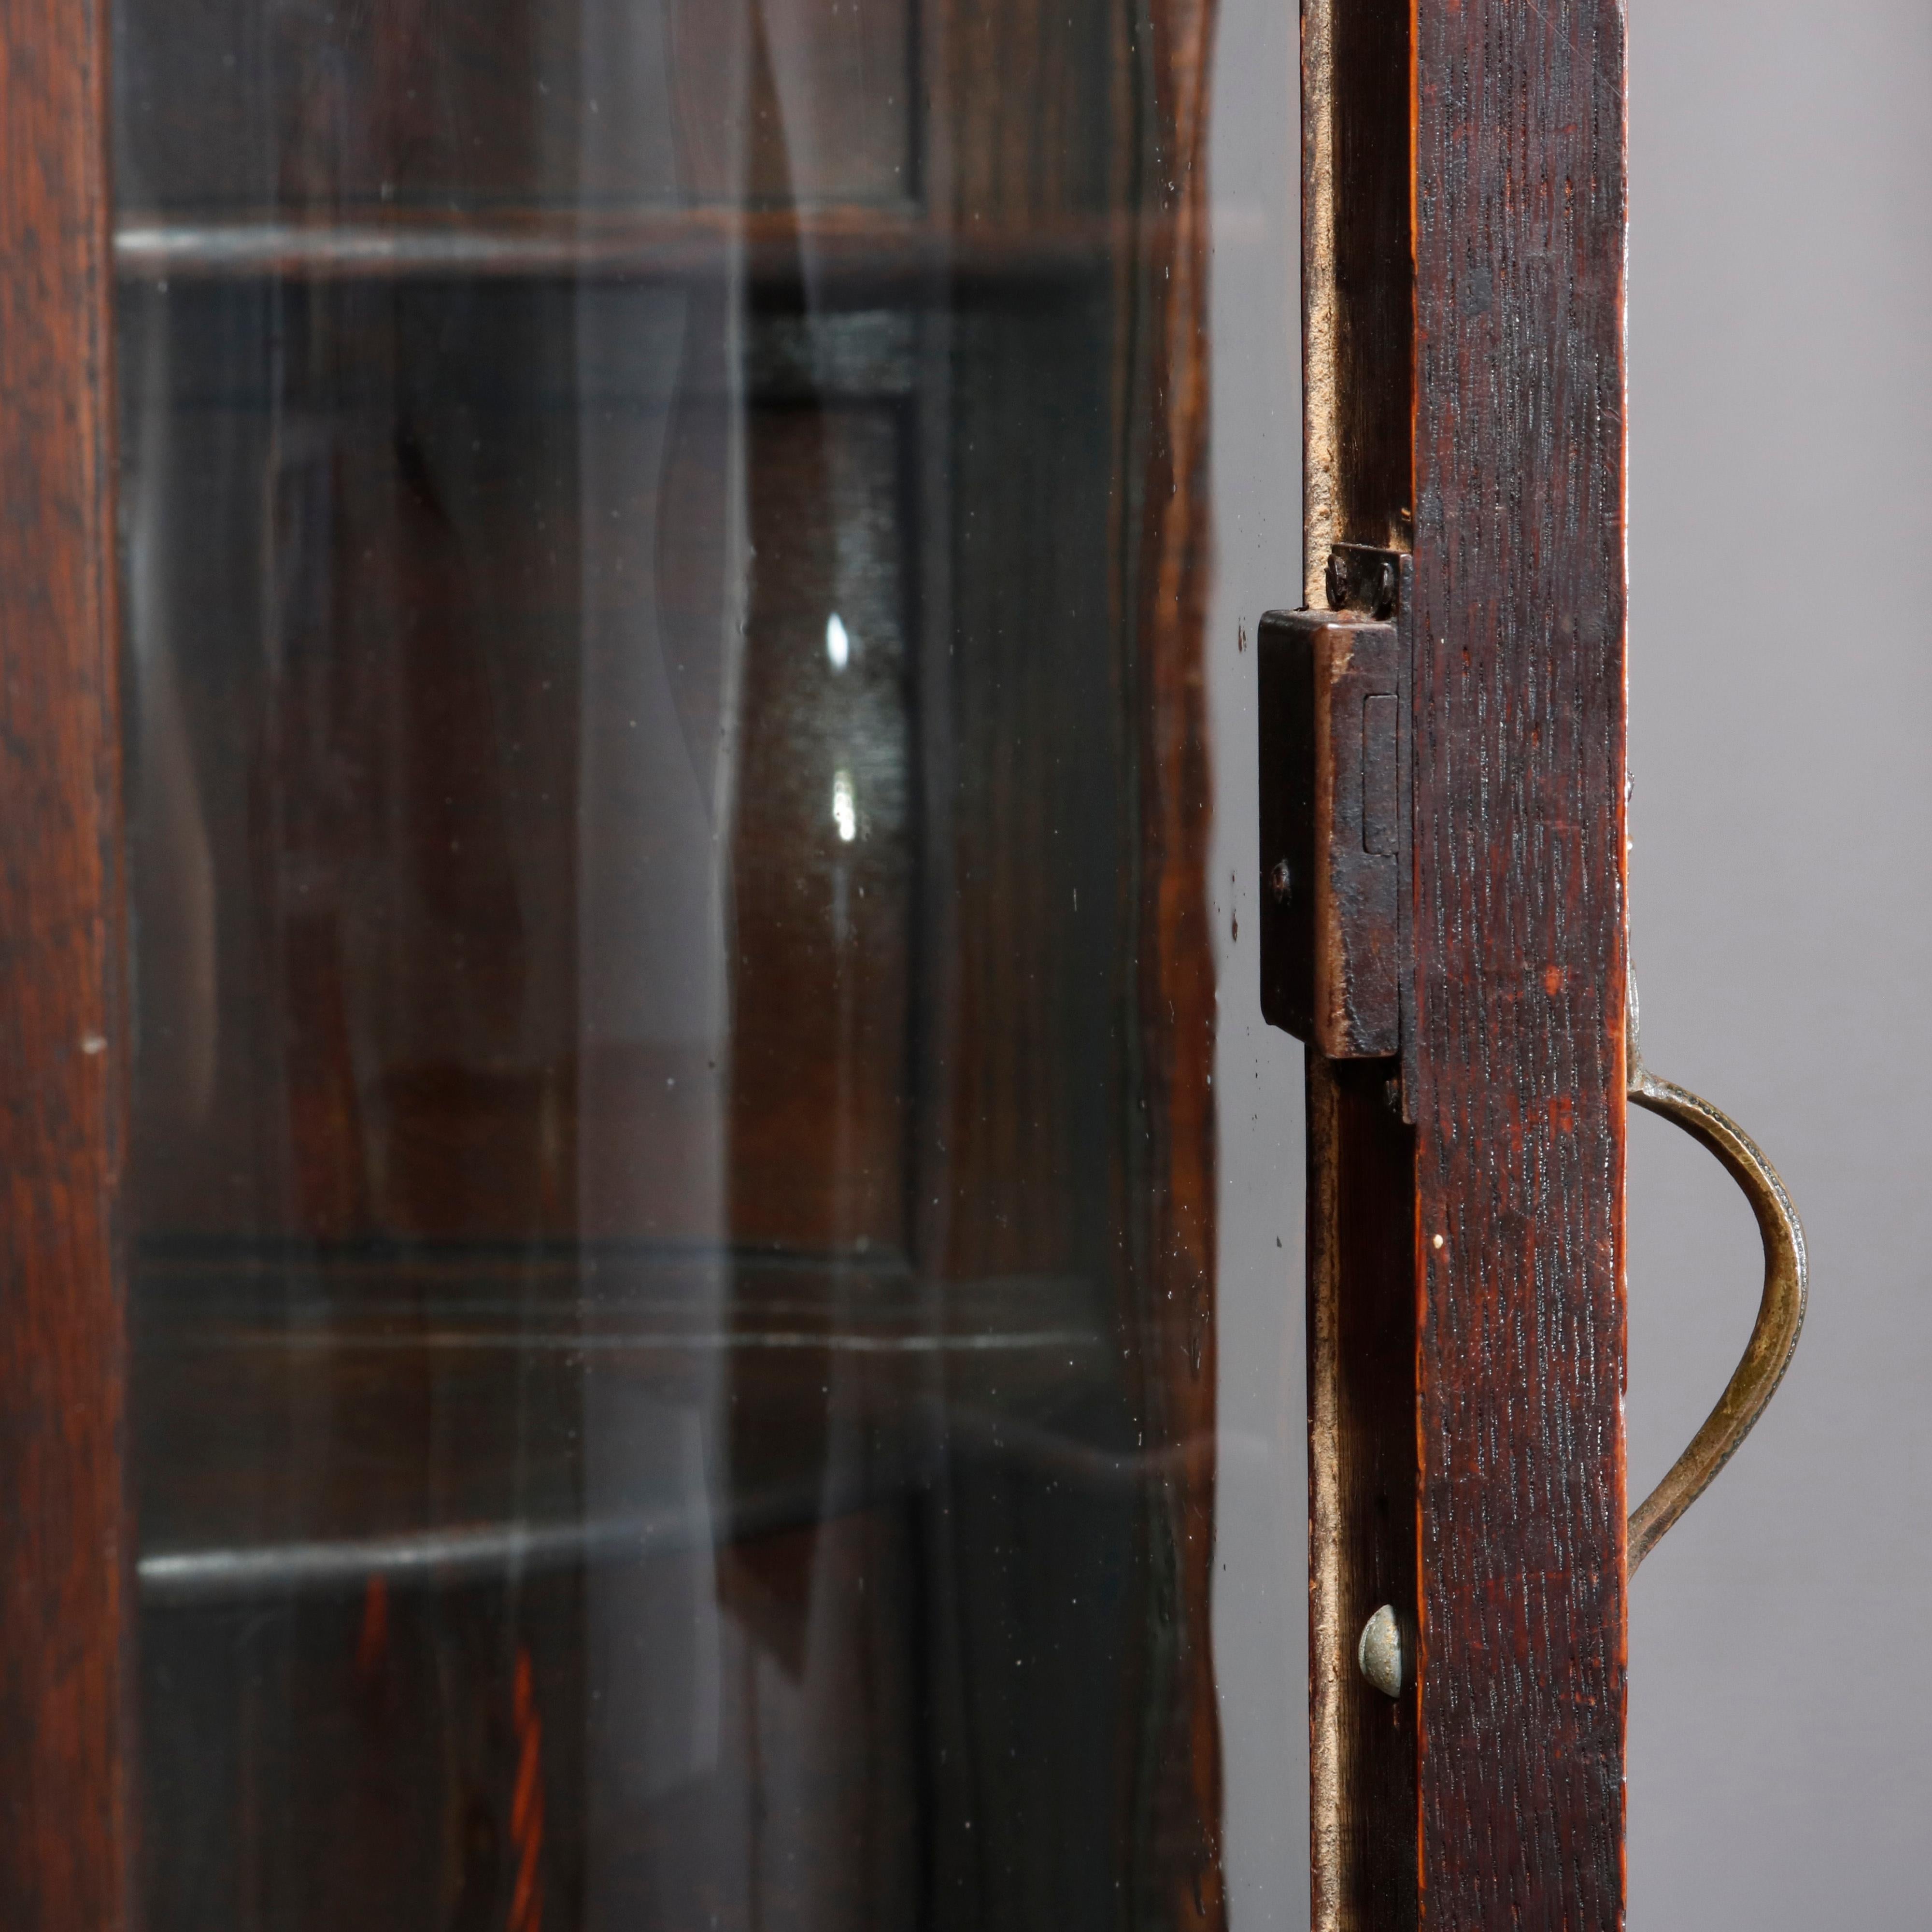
(671, 1179)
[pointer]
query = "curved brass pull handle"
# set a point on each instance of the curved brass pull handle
(1780, 1313)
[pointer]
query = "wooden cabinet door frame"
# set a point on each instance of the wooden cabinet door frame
(65, 1553)
(1463, 239)
(1465, 208)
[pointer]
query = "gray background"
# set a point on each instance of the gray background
(1780, 333)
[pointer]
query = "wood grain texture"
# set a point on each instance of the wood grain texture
(1494, 301)
(63, 1822)
(1361, 1431)
(1330, 859)
(228, 102)
(982, 1029)
(1170, 1148)
(1519, 822)
(1356, 291)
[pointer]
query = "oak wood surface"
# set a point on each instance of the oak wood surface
(1491, 293)
(1362, 1382)
(1519, 822)
(64, 1827)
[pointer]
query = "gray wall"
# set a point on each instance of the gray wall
(1780, 338)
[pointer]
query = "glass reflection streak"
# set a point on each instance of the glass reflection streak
(659, 1392)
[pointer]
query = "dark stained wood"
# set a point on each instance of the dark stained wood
(244, 1360)
(900, 1202)
(1170, 1167)
(361, 1021)
(367, 1026)
(1330, 850)
(1510, 128)
(1520, 622)
(1372, 313)
(1033, 1083)
(223, 102)
(855, 255)
(1500, 316)
(65, 1756)
(1357, 298)
(1029, 124)
(823, 863)
(1362, 1383)
(1033, 820)
(838, 1843)
(365, 1743)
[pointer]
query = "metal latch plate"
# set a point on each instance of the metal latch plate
(1330, 828)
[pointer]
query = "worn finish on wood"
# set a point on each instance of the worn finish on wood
(1356, 292)
(430, 489)
(856, 256)
(63, 1821)
(1519, 614)
(1169, 1168)
(1361, 1410)
(1364, 1856)
(1331, 852)
(1500, 317)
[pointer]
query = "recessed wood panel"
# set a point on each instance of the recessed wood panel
(299, 108)
(375, 687)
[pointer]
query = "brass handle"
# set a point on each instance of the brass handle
(1780, 1313)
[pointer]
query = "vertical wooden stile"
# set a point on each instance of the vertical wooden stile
(65, 1553)
(1463, 291)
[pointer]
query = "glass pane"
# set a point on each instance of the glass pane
(673, 1177)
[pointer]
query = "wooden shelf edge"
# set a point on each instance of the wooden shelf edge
(891, 246)
(194, 1575)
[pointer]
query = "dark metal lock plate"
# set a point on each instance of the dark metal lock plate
(1331, 812)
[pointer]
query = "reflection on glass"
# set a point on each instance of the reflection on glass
(672, 1171)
